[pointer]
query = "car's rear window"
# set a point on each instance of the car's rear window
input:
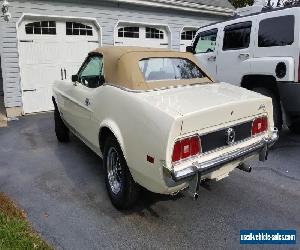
(165, 68)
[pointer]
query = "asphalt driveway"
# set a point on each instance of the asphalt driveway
(61, 186)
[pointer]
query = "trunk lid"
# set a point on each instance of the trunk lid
(204, 106)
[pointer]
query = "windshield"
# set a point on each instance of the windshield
(160, 69)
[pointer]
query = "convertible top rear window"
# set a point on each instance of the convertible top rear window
(167, 68)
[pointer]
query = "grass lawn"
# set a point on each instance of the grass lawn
(15, 231)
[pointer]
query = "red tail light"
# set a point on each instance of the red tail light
(186, 148)
(259, 125)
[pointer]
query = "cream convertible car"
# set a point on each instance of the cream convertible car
(159, 121)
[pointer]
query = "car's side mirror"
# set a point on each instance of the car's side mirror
(190, 49)
(75, 78)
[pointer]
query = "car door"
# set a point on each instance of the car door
(234, 55)
(205, 49)
(89, 79)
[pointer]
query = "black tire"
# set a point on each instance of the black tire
(128, 192)
(295, 127)
(61, 130)
(277, 114)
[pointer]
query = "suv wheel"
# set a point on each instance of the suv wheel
(277, 115)
(61, 130)
(294, 127)
(122, 189)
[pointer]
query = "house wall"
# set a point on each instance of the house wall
(107, 14)
(1, 80)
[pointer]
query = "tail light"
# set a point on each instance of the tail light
(186, 148)
(259, 125)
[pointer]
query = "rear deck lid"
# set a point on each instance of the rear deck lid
(203, 106)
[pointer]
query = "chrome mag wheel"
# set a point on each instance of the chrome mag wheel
(114, 170)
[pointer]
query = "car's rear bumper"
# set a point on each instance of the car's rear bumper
(203, 168)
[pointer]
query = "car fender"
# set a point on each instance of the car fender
(114, 128)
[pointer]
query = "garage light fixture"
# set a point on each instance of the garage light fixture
(5, 11)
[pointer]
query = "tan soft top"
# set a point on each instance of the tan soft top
(121, 67)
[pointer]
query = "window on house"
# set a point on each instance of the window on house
(237, 36)
(188, 35)
(276, 31)
(78, 29)
(41, 28)
(206, 41)
(129, 32)
(154, 33)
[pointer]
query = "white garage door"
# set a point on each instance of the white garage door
(141, 35)
(186, 38)
(51, 50)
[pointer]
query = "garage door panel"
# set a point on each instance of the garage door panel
(37, 100)
(72, 53)
(48, 52)
(35, 76)
(92, 45)
(38, 52)
(47, 58)
(27, 49)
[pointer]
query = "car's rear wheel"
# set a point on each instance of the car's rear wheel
(61, 130)
(277, 114)
(122, 189)
(295, 127)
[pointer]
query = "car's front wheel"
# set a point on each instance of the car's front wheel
(61, 130)
(122, 189)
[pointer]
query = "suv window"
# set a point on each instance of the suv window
(206, 41)
(276, 31)
(237, 36)
(165, 68)
(91, 73)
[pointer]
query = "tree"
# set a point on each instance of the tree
(241, 3)
(291, 3)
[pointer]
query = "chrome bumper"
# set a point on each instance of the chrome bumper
(203, 168)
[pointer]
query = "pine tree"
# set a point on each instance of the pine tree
(241, 3)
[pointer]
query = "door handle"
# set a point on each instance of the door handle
(29, 90)
(244, 56)
(26, 41)
(61, 73)
(211, 58)
(65, 74)
(87, 102)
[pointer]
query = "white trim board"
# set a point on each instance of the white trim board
(182, 5)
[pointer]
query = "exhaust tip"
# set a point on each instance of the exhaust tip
(196, 196)
(192, 195)
(245, 167)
